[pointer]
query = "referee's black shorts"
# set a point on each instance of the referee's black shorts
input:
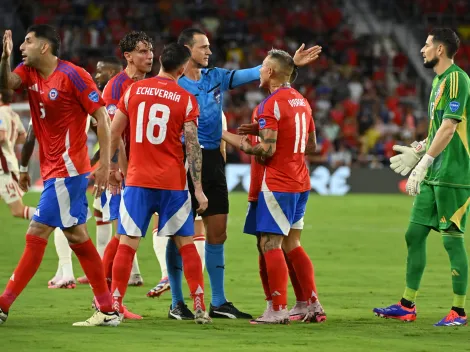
(214, 183)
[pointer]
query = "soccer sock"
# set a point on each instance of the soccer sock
(24, 272)
(263, 273)
(104, 232)
(200, 243)
(91, 264)
(303, 269)
(135, 266)
(64, 253)
(278, 277)
(28, 212)
(299, 293)
(160, 247)
(193, 273)
(174, 264)
(121, 272)
(215, 263)
(108, 259)
(415, 237)
(455, 247)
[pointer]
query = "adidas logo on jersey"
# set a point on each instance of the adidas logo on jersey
(443, 220)
(34, 87)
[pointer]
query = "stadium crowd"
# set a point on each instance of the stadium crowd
(359, 112)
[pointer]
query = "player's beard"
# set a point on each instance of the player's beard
(431, 63)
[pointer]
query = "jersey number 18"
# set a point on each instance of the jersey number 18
(153, 120)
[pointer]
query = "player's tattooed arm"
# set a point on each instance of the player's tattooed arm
(311, 143)
(265, 148)
(193, 152)
(28, 147)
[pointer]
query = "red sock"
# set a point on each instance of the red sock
(24, 272)
(263, 273)
(90, 262)
(122, 268)
(192, 268)
(304, 270)
(199, 237)
(299, 293)
(278, 277)
(108, 259)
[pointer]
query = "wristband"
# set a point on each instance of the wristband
(23, 168)
(426, 161)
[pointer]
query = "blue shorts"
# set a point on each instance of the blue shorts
(278, 212)
(250, 221)
(110, 205)
(138, 204)
(63, 202)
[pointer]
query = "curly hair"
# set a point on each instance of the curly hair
(131, 39)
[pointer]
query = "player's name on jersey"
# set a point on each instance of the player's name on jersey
(162, 93)
(297, 102)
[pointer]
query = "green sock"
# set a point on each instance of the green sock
(415, 237)
(455, 247)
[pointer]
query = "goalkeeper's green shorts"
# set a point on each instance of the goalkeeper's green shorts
(442, 208)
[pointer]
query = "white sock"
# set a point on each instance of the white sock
(135, 266)
(201, 250)
(28, 212)
(64, 253)
(104, 232)
(159, 246)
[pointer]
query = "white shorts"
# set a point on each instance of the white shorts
(10, 192)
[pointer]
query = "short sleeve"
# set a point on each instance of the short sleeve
(192, 109)
(123, 103)
(269, 115)
(87, 92)
(456, 92)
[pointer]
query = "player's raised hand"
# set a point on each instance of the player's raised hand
(7, 44)
(304, 56)
(24, 181)
(248, 128)
(101, 175)
(202, 200)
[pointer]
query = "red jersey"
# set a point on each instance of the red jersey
(59, 108)
(157, 109)
(112, 92)
(257, 170)
(287, 112)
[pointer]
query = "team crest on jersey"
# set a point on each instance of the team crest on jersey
(94, 96)
(262, 123)
(454, 106)
(217, 95)
(111, 109)
(53, 94)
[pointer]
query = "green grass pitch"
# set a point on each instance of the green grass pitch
(358, 250)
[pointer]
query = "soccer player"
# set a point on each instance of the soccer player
(440, 180)
(137, 49)
(12, 132)
(209, 85)
(106, 69)
(61, 95)
(160, 243)
(286, 133)
(158, 111)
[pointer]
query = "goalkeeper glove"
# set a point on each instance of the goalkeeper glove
(409, 157)
(417, 175)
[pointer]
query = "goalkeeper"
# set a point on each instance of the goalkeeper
(440, 180)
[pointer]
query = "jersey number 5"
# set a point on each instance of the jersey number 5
(300, 133)
(153, 121)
